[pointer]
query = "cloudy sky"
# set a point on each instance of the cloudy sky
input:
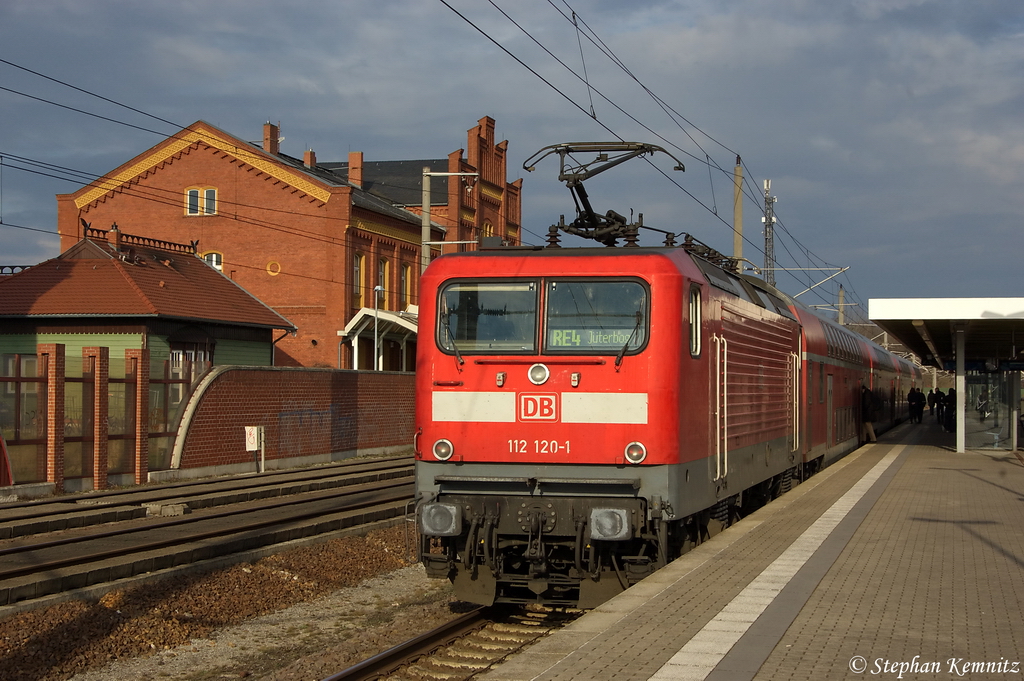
(892, 130)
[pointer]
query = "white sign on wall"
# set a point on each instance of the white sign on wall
(253, 438)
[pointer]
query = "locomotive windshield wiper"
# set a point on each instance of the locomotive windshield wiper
(636, 327)
(451, 337)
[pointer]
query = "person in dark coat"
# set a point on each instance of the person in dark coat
(949, 411)
(940, 406)
(931, 402)
(922, 402)
(867, 415)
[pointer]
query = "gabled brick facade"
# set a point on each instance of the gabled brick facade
(309, 242)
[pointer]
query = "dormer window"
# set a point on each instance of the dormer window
(201, 201)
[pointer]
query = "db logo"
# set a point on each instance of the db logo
(534, 407)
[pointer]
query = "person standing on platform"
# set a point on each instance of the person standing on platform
(931, 402)
(982, 406)
(949, 411)
(912, 404)
(940, 406)
(867, 415)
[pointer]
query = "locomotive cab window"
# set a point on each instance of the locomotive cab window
(488, 318)
(595, 317)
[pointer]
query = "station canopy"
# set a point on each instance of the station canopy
(993, 330)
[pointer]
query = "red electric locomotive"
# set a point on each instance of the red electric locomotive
(586, 415)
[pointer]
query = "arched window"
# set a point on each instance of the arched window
(404, 287)
(357, 280)
(382, 282)
(214, 260)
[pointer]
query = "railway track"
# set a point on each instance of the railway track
(221, 522)
(460, 649)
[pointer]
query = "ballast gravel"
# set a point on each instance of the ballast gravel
(304, 614)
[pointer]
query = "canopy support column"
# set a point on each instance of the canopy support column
(961, 389)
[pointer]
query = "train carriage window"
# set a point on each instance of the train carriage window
(829, 340)
(882, 360)
(852, 348)
(595, 317)
(695, 321)
(488, 317)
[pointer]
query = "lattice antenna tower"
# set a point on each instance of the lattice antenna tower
(769, 233)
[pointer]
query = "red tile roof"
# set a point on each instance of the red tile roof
(92, 279)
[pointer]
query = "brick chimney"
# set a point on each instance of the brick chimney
(114, 237)
(271, 145)
(355, 168)
(309, 158)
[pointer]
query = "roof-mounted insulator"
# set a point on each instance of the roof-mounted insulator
(632, 237)
(553, 240)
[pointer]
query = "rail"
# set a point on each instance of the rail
(411, 650)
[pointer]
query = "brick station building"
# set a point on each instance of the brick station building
(312, 240)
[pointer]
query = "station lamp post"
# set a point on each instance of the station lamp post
(377, 291)
(425, 213)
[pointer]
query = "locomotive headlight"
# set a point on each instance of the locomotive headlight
(635, 452)
(440, 520)
(610, 524)
(443, 450)
(538, 374)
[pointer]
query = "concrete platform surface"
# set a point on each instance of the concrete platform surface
(904, 560)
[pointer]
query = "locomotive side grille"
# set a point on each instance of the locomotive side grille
(760, 389)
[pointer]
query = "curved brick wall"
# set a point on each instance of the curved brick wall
(322, 413)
